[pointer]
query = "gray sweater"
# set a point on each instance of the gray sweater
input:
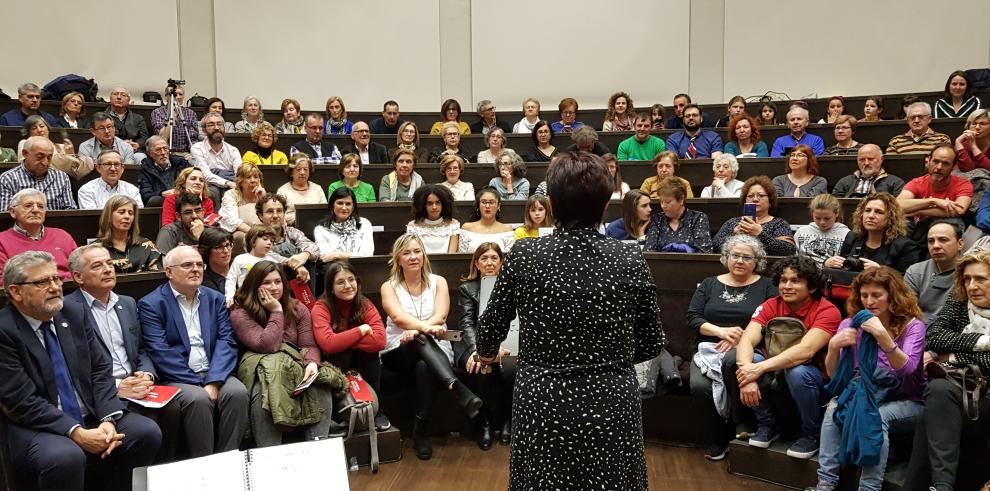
(820, 245)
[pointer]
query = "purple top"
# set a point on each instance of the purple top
(912, 343)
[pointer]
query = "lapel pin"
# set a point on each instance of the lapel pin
(64, 324)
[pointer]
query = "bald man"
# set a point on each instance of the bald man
(871, 176)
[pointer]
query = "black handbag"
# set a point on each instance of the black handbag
(966, 377)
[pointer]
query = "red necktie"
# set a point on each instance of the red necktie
(692, 150)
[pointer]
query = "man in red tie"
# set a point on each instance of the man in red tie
(694, 142)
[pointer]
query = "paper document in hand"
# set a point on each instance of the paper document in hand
(305, 384)
(159, 396)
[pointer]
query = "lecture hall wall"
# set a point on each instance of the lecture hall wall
(424, 51)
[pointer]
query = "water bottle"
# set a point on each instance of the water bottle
(353, 465)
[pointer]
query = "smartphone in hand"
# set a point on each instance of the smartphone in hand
(451, 336)
(749, 210)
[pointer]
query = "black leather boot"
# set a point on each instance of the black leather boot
(421, 439)
(506, 437)
(485, 435)
(466, 399)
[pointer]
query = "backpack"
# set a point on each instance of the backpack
(979, 78)
(60, 86)
(197, 102)
(358, 407)
(782, 333)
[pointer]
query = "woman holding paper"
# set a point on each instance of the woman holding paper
(265, 317)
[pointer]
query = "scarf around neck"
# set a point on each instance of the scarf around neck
(979, 320)
(337, 125)
(294, 128)
(347, 231)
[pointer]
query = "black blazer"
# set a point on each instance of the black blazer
(28, 395)
(152, 180)
(326, 148)
(78, 312)
(377, 153)
(479, 126)
(469, 300)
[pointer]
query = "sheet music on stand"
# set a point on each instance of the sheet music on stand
(512, 340)
(292, 466)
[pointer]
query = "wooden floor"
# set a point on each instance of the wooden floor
(458, 464)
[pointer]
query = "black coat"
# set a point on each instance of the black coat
(377, 153)
(152, 180)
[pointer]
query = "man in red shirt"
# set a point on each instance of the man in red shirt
(748, 373)
(937, 194)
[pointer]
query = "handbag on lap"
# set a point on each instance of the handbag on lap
(781, 333)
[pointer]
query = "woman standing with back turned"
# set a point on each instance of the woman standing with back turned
(583, 374)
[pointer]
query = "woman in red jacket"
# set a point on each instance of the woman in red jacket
(349, 330)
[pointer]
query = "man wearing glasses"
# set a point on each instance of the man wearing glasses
(187, 229)
(369, 151)
(920, 138)
(105, 138)
(488, 121)
(95, 193)
(187, 334)
(28, 208)
(57, 389)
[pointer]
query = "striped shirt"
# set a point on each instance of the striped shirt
(54, 185)
(943, 108)
(179, 142)
(908, 143)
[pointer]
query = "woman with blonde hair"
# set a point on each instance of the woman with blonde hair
(237, 209)
(878, 237)
(337, 123)
(300, 190)
(121, 236)
(264, 152)
(823, 237)
(451, 167)
(192, 181)
(407, 138)
(73, 111)
(417, 303)
(531, 115)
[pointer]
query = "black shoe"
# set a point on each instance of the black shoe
(716, 452)
(506, 437)
(485, 437)
(421, 440)
(472, 406)
(381, 422)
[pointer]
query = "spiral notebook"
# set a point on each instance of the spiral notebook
(322, 463)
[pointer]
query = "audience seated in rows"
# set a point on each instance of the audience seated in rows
(878, 236)
(36, 172)
(390, 123)
(870, 178)
(666, 164)
(484, 224)
(642, 145)
(433, 219)
(104, 138)
(451, 168)
(932, 279)
(120, 234)
(801, 179)
(724, 184)
(158, 173)
(959, 100)
(719, 311)
(319, 150)
(510, 183)
(336, 117)
(349, 172)
(773, 232)
(797, 122)
(676, 228)
(450, 112)
(920, 138)
(407, 138)
(743, 135)
(823, 237)
(28, 208)
(844, 130)
(693, 141)
(344, 233)
(64, 157)
(264, 152)
(95, 193)
(300, 190)
(180, 128)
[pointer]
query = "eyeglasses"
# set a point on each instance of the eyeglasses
(108, 128)
(43, 283)
(111, 165)
(33, 206)
(757, 196)
(448, 135)
(919, 117)
(743, 258)
(486, 202)
(189, 213)
(567, 113)
(361, 131)
(225, 245)
(190, 265)
(213, 124)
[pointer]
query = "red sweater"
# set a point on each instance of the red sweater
(168, 209)
(967, 162)
(55, 241)
(350, 338)
(268, 338)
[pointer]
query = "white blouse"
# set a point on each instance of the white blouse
(329, 241)
(469, 241)
(420, 307)
(436, 238)
(314, 196)
(463, 191)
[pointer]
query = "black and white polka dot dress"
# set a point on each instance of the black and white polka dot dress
(588, 311)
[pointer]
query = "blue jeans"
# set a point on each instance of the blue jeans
(897, 417)
(805, 383)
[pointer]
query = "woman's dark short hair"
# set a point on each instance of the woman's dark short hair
(211, 238)
(346, 159)
(948, 82)
(341, 193)
(806, 269)
(536, 127)
(579, 187)
(441, 192)
(767, 186)
(211, 100)
(476, 214)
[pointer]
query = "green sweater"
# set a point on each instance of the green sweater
(363, 192)
(632, 149)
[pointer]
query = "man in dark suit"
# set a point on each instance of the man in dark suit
(57, 389)
(370, 152)
(319, 150)
(187, 334)
(114, 319)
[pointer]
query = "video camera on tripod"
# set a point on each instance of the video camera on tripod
(173, 84)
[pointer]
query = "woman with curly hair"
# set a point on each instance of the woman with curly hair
(620, 115)
(879, 236)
